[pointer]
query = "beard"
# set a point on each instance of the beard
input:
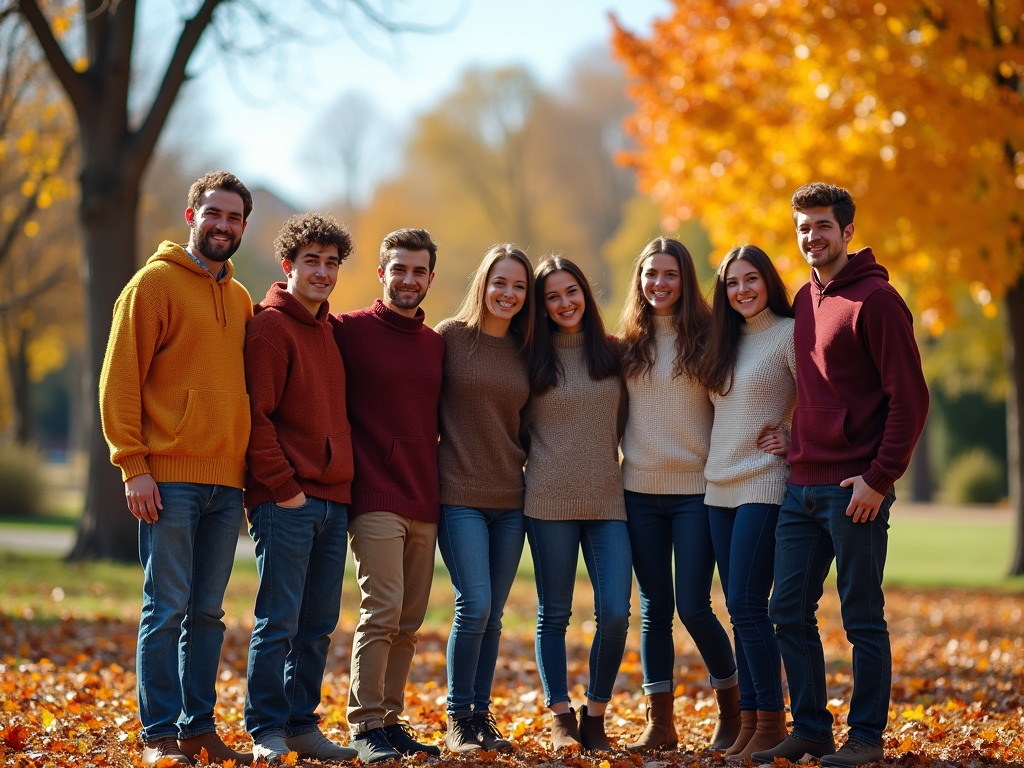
(833, 252)
(404, 300)
(213, 250)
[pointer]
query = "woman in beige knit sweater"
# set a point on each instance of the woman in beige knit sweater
(574, 494)
(664, 327)
(750, 370)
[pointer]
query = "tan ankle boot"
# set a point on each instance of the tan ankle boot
(728, 726)
(660, 732)
(592, 735)
(748, 724)
(770, 732)
(565, 730)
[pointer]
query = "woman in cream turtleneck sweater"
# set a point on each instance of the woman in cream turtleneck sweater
(664, 327)
(750, 370)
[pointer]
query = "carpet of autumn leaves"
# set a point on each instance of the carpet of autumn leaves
(67, 685)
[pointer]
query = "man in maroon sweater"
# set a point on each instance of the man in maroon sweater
(394, 364)
(297, 490)
(861, 406)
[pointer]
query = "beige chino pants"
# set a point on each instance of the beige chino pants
(394, 559)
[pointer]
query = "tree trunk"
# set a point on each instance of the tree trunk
(922, 483)
(106, 530)
(1014, 349)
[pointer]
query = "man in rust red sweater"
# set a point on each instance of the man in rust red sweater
(394, 364)
(861, 406)
(297, 489)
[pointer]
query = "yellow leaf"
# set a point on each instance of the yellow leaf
(47, 718)
(290, 759)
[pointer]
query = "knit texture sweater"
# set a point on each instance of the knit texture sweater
(300, 437)
(572, 472)
(485, 388)
(669, 427)
(393, 368)
(763, 393)
(862, 399)
(172, 388)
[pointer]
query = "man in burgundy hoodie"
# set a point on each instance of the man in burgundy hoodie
(297, 489)
(861, 406)
(394, 363)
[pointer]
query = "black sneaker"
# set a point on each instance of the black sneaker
(855, 752)
(373, 746)
(461, 737)
(487, 732)
(400, 736)
(794, 748)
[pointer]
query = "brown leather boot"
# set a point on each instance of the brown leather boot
(770, 732)
(728, 726)
(216, 750)
(660, 732)
(592, 735)
(565, 730)
(748, 724)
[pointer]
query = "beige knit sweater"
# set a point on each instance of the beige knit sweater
(669, 427)
(763, 393)
(573, 468)
(485, 387)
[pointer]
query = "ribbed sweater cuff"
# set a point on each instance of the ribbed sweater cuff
(878, 480)
(133, 466)
(198, 469)
(289, 489)
(645, 481)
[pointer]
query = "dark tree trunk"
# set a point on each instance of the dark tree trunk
(21, 387)
(922, 483)
(1014, 347)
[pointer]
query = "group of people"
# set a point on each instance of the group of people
(757, 435)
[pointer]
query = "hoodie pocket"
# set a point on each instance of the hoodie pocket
(412, 466)
(339, 460)
(821, 431)
(215, 424)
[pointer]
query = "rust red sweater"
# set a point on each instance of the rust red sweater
(394, 366)
(300, 432)
(861, 397)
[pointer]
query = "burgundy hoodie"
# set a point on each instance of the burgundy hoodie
(861, 396)
(300, 438)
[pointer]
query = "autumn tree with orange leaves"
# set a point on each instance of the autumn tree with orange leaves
(914, 105)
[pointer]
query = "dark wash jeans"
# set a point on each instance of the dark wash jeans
(555, 545)
(661, 525)
(187, 556)
(482, 549)
(745, 549)
(300, 556)
(813, 531)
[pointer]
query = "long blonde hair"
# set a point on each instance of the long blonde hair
(474, 305)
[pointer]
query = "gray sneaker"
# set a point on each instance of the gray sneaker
(270, 747)
(314, 744)
(854, 752)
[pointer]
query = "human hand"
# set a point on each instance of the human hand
(143, 497)
(865, 502)
(294, 501)
(774, 439)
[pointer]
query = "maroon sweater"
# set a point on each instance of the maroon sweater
(861, 397)
(300, 433)
(394, 366)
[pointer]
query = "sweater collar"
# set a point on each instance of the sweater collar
(394, 319)
(279, 298)
(762, 321)
(664, 325)
(568, 340)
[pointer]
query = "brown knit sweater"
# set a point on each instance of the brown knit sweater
(485, 388)
(573, 468)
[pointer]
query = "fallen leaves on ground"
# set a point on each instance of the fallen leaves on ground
(67, 689)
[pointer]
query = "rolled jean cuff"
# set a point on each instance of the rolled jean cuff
(728, 682)
(191, 733)
(358, 728)
(460, 714)
(665, 686)
(551, 702)
(599, 699)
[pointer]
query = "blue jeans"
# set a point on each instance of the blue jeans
(482, 549)
(813, 530)
(187, 556)
(555, 545)
(660, 525)
(300, 556)
(745, 549)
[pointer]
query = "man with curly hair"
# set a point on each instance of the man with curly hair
(297, 491)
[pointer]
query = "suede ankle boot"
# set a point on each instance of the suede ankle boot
(728, 726)
(770, 732)
(592, 735)
(748, 724)
(660, 732)
(565, 730)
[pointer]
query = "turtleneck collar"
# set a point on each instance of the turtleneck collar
(396, 320)
(567, 340)
(762, 321)
(664, 325)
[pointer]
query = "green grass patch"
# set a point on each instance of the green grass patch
(926, 554)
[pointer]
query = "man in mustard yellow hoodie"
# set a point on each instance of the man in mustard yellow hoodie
(176, 416)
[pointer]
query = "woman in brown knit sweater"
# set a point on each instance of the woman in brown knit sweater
(480, 458)
(574, 494)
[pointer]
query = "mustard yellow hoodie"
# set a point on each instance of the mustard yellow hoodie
(172, 390)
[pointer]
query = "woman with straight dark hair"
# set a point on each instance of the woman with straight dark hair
(750, 370)
(574, 494)
(480, 458)
(664, 332)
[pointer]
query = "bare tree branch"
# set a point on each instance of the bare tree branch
(72, 81)
(48, 283)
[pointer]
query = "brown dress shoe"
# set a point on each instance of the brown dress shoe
(216, 750)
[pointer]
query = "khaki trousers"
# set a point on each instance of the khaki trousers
(394, 559)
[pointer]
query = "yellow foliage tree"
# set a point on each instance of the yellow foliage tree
(914, 105)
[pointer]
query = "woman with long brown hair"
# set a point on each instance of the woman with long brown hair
(574, 494)
(750, 369)
(664, 332)
(480, 458)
